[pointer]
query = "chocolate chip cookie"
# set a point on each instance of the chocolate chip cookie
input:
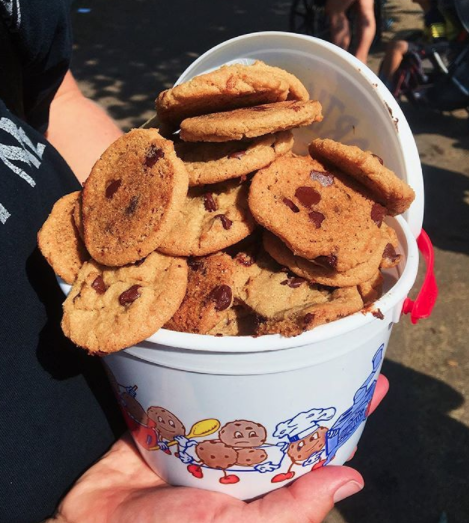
(250, 122)
(320, 215)
(59, 240)
(212, 218)
(109, 309)
(132, 197)
(216, 162)
(387, 188)
(226, 88)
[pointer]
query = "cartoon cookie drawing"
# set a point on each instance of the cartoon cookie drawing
(167, 426)
(238, 444)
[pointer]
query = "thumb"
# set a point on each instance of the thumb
(310, 498)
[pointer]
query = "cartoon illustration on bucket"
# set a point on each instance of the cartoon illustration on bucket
(304, 440)
(239, 444)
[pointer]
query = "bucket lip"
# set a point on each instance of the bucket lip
(272, 342)
(413, 169)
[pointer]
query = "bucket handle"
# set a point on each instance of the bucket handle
(423, 305)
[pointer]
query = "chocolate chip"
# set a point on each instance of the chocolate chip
(317, 218)
(132, 205)
(244, 259)
(112, 188)
(221, 295)
(226, 222)
(209, 203)
(98, 285)
(130, 295)
(153, 155)
(329, 262)
(291, 205)
(295, 107)
(308, 318)
(238, 155)
(323, 177)
(378, 212)
(390, 253)
(378, 314)
(294, 283)
(307, 196)
(380, 160)
(194, 263)
(139, 262)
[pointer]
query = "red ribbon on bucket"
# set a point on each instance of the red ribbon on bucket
(423, 305)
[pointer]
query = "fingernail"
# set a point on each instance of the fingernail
(349, 489)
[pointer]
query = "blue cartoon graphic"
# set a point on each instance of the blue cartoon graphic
(352, 418)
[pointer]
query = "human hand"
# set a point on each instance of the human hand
(122, 488)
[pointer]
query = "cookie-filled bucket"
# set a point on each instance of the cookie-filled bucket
(246, 415)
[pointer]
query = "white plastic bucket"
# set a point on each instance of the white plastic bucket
(280, 405)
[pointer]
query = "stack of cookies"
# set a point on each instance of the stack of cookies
(212, 225)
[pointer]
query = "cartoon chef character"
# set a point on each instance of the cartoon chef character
(306, 442)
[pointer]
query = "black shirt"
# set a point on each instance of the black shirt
(57, 411)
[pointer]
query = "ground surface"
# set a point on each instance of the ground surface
(414, 454)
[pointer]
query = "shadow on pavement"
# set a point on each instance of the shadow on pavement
(413, 455)
(128, 52)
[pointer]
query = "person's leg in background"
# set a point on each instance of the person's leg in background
(392, 60)
(336, 10)
(365, 27)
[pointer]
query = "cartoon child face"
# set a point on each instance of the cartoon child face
(166, 423)
(243, 434)
(302, 449)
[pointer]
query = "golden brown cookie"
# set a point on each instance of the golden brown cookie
(217, 162)
(371, 290)
(59, 240)
(213, 217)
(132, 197)
(323, 275)
(387, 188)
(209, 295)
(250, 122)
(319, 215)
(287, 304)
(109, 309)
(228, 87)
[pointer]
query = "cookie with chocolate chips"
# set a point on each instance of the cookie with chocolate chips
(59, 239)
(320, 215)
(109, 309)
(217, 162)
(367, 168)
(132, 197)
(212, 218)
(327, 275)
(285, 303)
(228, 87)
(250, 122)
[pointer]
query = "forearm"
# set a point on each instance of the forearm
(78, 128)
